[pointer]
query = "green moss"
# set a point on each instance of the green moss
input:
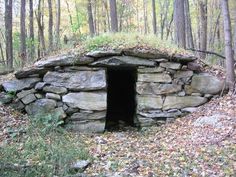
(126, 41)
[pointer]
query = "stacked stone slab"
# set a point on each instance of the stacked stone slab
(73, 87)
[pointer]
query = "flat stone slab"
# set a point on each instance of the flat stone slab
(149, 102)
(156, 88)
(124, 60)
(151, 70)
(100, 53)
(30, 71)
(88, 116)
(171, 65)
(175, 102)
(157, 77)
(147, 54)
(69, 59)
(28, 99)
(18, 85)
(77, 81)
(161, 114)
(87, 126)
(55, 89)
(86, 100)
(207, 84)
(25, 93)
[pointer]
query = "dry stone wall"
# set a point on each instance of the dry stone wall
(74, 87)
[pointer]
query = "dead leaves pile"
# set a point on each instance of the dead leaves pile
(177, 149)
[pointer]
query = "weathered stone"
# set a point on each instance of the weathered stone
(174, 102)
(60, 113)
(25, 93)
(149, 102)
(182, 93)
(24, 73)
(87, 126)
(160, 114)
(53, 96)
(55, 89)
(5, 98)
(40, 85)
(78, 81)
(183, 74)
(42, 106)
(60, 103)
(71, 110)
(194, 66)
(151, 70)
(146, 122)
(85, 100)
(123, 60)
(69, 59)
(17, 105)
(156, 88)
(163, 78)
(145, 53)
(28, 99)
(171, 65)
(65, 107)
(38, 95)
(214, 120)
(80, 68)
(189, 110)
(183, 58)
(196, 94)
(80, 165)
(161, 60)
(88, 116)
(18, 85)
(206, 84)
(99, 53)
(208, 95)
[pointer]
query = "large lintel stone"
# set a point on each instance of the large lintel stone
(77, 81)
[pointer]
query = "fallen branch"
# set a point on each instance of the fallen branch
(207, 52)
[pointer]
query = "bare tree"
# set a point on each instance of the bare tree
(50, 25)
(188, 25)
(22, 33)
(179, 20)
(90, 18)
(145, 16)
(230, 75)
(8, 27)
(113, 14)
(58, 23)
(31, 30)
(154, 16)
(203, 27)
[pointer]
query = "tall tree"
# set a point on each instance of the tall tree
(58, 23)
(230, 75)
(113, 15)
(154, 16)
(31, 30)
(145, 16)
(188, 25)
(8, 33)
(50, 25)
(203, 27)
(23, 33)
(179, 20)
(90, 18)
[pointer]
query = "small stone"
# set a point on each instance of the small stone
(71, 110)
(5, 98)
(40, 85)
(171, 65)
(17, 105)
(25, 93)
(208, 95)
(41, 107)
(60, 104)
(146, 122)
(196, 94)
(159, 77)
(60, 113)
(189, 110)
(53, 96)
(182, 93)
(56, 90)
(80, 165)
(38, 95)
(28, 99)
(65, 107)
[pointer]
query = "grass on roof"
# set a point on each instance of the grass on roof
(126, 41)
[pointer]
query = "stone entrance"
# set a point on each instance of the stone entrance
(121, 104)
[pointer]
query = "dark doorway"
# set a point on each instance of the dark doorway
(121, 105)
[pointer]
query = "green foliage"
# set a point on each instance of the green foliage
(47, 148)
(126, 40)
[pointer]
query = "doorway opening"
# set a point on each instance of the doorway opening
(121, 102)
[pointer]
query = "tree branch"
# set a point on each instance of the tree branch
(207, 52)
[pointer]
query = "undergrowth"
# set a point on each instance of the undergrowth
(45, 149)
(127, 40)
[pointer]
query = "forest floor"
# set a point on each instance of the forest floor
(200, 144)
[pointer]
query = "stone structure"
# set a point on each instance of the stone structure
(75, 87)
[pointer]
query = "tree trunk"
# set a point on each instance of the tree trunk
(22, 34)
(90, 18)
(58, 23)
(203, 28)
(188, 25)
(50, 26)
(145, 16)
(154, 16)
(31, 30)
(179, 23)
(230, 75)
(8, 33)
(113, 14)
